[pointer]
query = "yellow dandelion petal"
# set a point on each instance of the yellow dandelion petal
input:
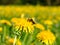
(25, 29)
(40, 26)
(22, 21)
(21, 28)
(47, 37)
(14, 20)
(17, 27)
(45, 41)
(30, 27)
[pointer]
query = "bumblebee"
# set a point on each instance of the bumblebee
(31, 20)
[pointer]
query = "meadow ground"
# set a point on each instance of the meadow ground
(29, 25)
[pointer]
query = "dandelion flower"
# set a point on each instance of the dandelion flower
(5, 22)
(46, 37)
(23, 23)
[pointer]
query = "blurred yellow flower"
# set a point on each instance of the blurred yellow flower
(47, 37)
(55, 21)
(11, 40)
(48, 22)
(7, 37)
(1, 29)
(23, 23)
(18, 42)
(58, 18)
(5, 22)
(40, 26)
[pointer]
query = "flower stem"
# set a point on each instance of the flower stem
(4, 33)
(15, 40)
(25, 38)
(30, 40)
(0, 39)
